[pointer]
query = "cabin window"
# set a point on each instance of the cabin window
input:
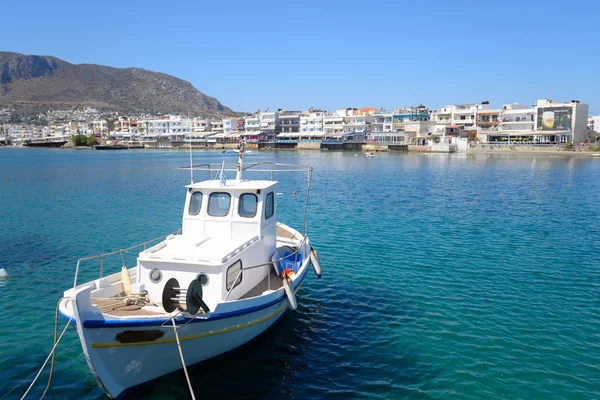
(234, 276)
(218, 204)
(195, 203)
(269, 205)
(248, 205)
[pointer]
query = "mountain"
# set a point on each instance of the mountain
(36, 83)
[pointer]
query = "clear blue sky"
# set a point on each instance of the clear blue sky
(331, 54)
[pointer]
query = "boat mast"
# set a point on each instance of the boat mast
(238, 177)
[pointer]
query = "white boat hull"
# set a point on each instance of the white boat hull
(119, 366)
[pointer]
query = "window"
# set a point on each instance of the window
(234, 275)
(195, 203)
(248, 205)
(218, 204)
(269, 205)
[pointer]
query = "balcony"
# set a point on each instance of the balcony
(463, 122)
(462, 111)
(516, 122)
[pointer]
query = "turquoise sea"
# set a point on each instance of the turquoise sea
(445, 276)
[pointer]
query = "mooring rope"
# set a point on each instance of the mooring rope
(182, 360)
(48, 358)
(53, 353)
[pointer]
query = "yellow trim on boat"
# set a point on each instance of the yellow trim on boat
(191, 337)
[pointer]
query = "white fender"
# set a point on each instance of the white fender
(314, 258)
(291, 296)
(126, 280)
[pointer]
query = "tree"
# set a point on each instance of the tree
(91, 140)
(434, 138)
(79, 140)
(569, 145)
(111, 125)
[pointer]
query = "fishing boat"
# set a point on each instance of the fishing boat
(225, 277)
(45, 143)
(111, 147)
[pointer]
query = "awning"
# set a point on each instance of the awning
(312, 134)
(220, 135)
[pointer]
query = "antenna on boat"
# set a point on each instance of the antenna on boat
(191, 163)
(238, 176)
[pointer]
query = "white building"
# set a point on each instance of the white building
(200, 125)
(355, 123)
(290, 122)
(566, 121)
(167, 127)
(252, 124)
(18, 131)
(311, 125)
(269, 120)
(487, 122)
(99, 127)
(381, 122)
(417, 132)
(216, 125)
(333, 123)
(546, 122)
(594, 123)
(230, 125)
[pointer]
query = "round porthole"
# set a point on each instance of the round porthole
(155, 275)
(203, 279)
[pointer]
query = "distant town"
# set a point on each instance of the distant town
(546, 123)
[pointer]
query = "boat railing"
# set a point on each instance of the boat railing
(102, 256)
(249, 167)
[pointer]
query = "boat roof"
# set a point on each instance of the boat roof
(232, 184)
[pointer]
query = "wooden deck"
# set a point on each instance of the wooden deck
(116, 307)
(276, 283)
(283, 233)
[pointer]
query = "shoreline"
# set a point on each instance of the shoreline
(533, 152)
(528, 152)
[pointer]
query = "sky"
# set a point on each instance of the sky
(254, 55)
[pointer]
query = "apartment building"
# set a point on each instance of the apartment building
(594, 123)
(230, 125)
(200, 125)
(311, 125)
(290, 124)
(270, 125)
(565, 122)
(408, 114)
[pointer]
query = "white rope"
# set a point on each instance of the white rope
(48, 358)
(182, 360)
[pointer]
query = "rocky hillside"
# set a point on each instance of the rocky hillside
(42, 82)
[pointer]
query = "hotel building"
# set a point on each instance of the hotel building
(311, 125)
